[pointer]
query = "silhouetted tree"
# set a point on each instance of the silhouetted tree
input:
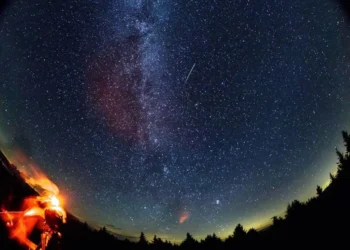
(238, 237)
(157, 243)
(277, 220)
(189, 242)
(319, 190)
(294, 209)
(346, 139)
(103, 230)
(211, 242)
(142, 241)
(341, 160)
(155, 240)
(252, 238)
(239, 233)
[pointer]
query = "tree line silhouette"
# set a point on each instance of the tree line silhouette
(321, 221)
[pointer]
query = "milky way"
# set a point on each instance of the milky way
(176, 116)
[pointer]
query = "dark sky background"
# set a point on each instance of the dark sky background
(176, 116)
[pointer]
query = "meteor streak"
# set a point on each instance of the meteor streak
(189, 74)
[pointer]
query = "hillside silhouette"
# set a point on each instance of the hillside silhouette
(319, 222)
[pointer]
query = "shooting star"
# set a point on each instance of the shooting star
(189, 74)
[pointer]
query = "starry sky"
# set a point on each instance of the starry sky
(176, 116)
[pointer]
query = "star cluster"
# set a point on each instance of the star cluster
(176, 116)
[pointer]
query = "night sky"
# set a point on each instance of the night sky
(176, 116)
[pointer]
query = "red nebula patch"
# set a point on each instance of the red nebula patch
(184, 217)
(115, 78)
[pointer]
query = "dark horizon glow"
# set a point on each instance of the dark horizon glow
(168, 118)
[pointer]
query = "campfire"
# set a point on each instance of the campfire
(43, 212)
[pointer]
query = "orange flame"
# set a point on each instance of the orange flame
(21, 224)
(184, 217)
(46, 188)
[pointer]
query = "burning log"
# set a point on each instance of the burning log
(20, 225)
(50, 217)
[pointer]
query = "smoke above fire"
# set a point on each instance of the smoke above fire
(34, 177)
